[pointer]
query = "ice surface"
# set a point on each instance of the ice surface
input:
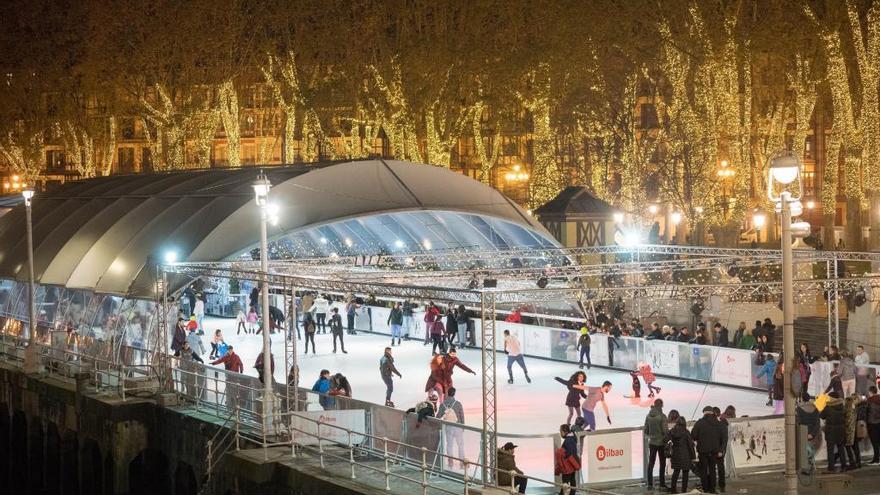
(522, 408)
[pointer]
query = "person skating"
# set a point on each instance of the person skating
(252, 320)
(350, 312)
(179, 337)
(648, 375)
(595, 395)
(576, 387)
(461, 319)
(199, 313)
(258, 365)
(309, 328)
(395, 321)
(215, 344)
(432, 313)
(583, 345)
(636, 384)
(768, 370)
(437, 337)
(709, 435)
(451, 326)
(241, 318)
(450, 361)
(452, 411)
(408, 309)
(230, 361)
(655, 431)
(750, 451)
(612, 343)
(514, 355)
(683, 454)
(320, 307)
(506, 465)
(437, 378)
(195, 343)
(322, 387)
(336, 330)
(386, 371)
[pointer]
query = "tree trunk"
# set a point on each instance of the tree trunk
(853, 225)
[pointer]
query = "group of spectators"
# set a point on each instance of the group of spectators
(701, 449)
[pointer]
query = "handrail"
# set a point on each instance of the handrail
(424, 467)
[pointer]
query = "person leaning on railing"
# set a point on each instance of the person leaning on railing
(507, 466)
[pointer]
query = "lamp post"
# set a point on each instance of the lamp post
(31, 364)
(758, 220)
(783, 171)
(261, 192)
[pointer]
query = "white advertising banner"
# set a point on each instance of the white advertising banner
(733, 367)
(599, 349)
(662, 356)
(535, 340)
(758, 442)
(607, 457)
(330, 427)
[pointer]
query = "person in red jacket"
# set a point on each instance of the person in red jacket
(449, 363)
(230, 361)
(437, 379)
(432, 314)
(258, 364)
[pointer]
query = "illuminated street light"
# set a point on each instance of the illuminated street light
(783, 171)
(261, 195)
(653, 209)
(675, 217)
(618, 217)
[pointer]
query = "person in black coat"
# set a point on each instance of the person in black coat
(710, 436)
(576, 389)
(683, 454)
(835, 430)
(721, 335)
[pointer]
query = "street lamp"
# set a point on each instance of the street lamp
(261, 194)
(618, 217)
(758, 220)
(31, 362)
(783, 172)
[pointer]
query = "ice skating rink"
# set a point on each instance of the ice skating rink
(533, 408)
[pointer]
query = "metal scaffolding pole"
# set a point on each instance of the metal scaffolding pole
(490, 396)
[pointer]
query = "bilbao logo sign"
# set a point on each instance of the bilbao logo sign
(603, 452)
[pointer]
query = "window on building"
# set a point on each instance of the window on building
(126, 129)
(808, 148)
(54, 160)
(147, 160)
(509, 146)
(124, 161)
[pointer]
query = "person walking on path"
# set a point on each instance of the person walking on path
(395, 321)
(309, 329)
(710, 436)
(514, 355)
(452, 411)
(595, 395)
(655, 431)
(336, 330)
(683, 454)
(583, 345)
(387, 370)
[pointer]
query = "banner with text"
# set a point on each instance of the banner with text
(732, 367)
(607, 457)
(331, 426)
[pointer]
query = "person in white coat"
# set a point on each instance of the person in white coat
(199, 311)
(320, 307)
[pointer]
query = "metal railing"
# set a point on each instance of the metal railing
(123, 379)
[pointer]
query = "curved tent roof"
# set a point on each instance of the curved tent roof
(107, 234)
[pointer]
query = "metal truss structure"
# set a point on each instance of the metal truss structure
(576, 275)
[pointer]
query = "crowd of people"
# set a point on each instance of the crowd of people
(847, 412)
